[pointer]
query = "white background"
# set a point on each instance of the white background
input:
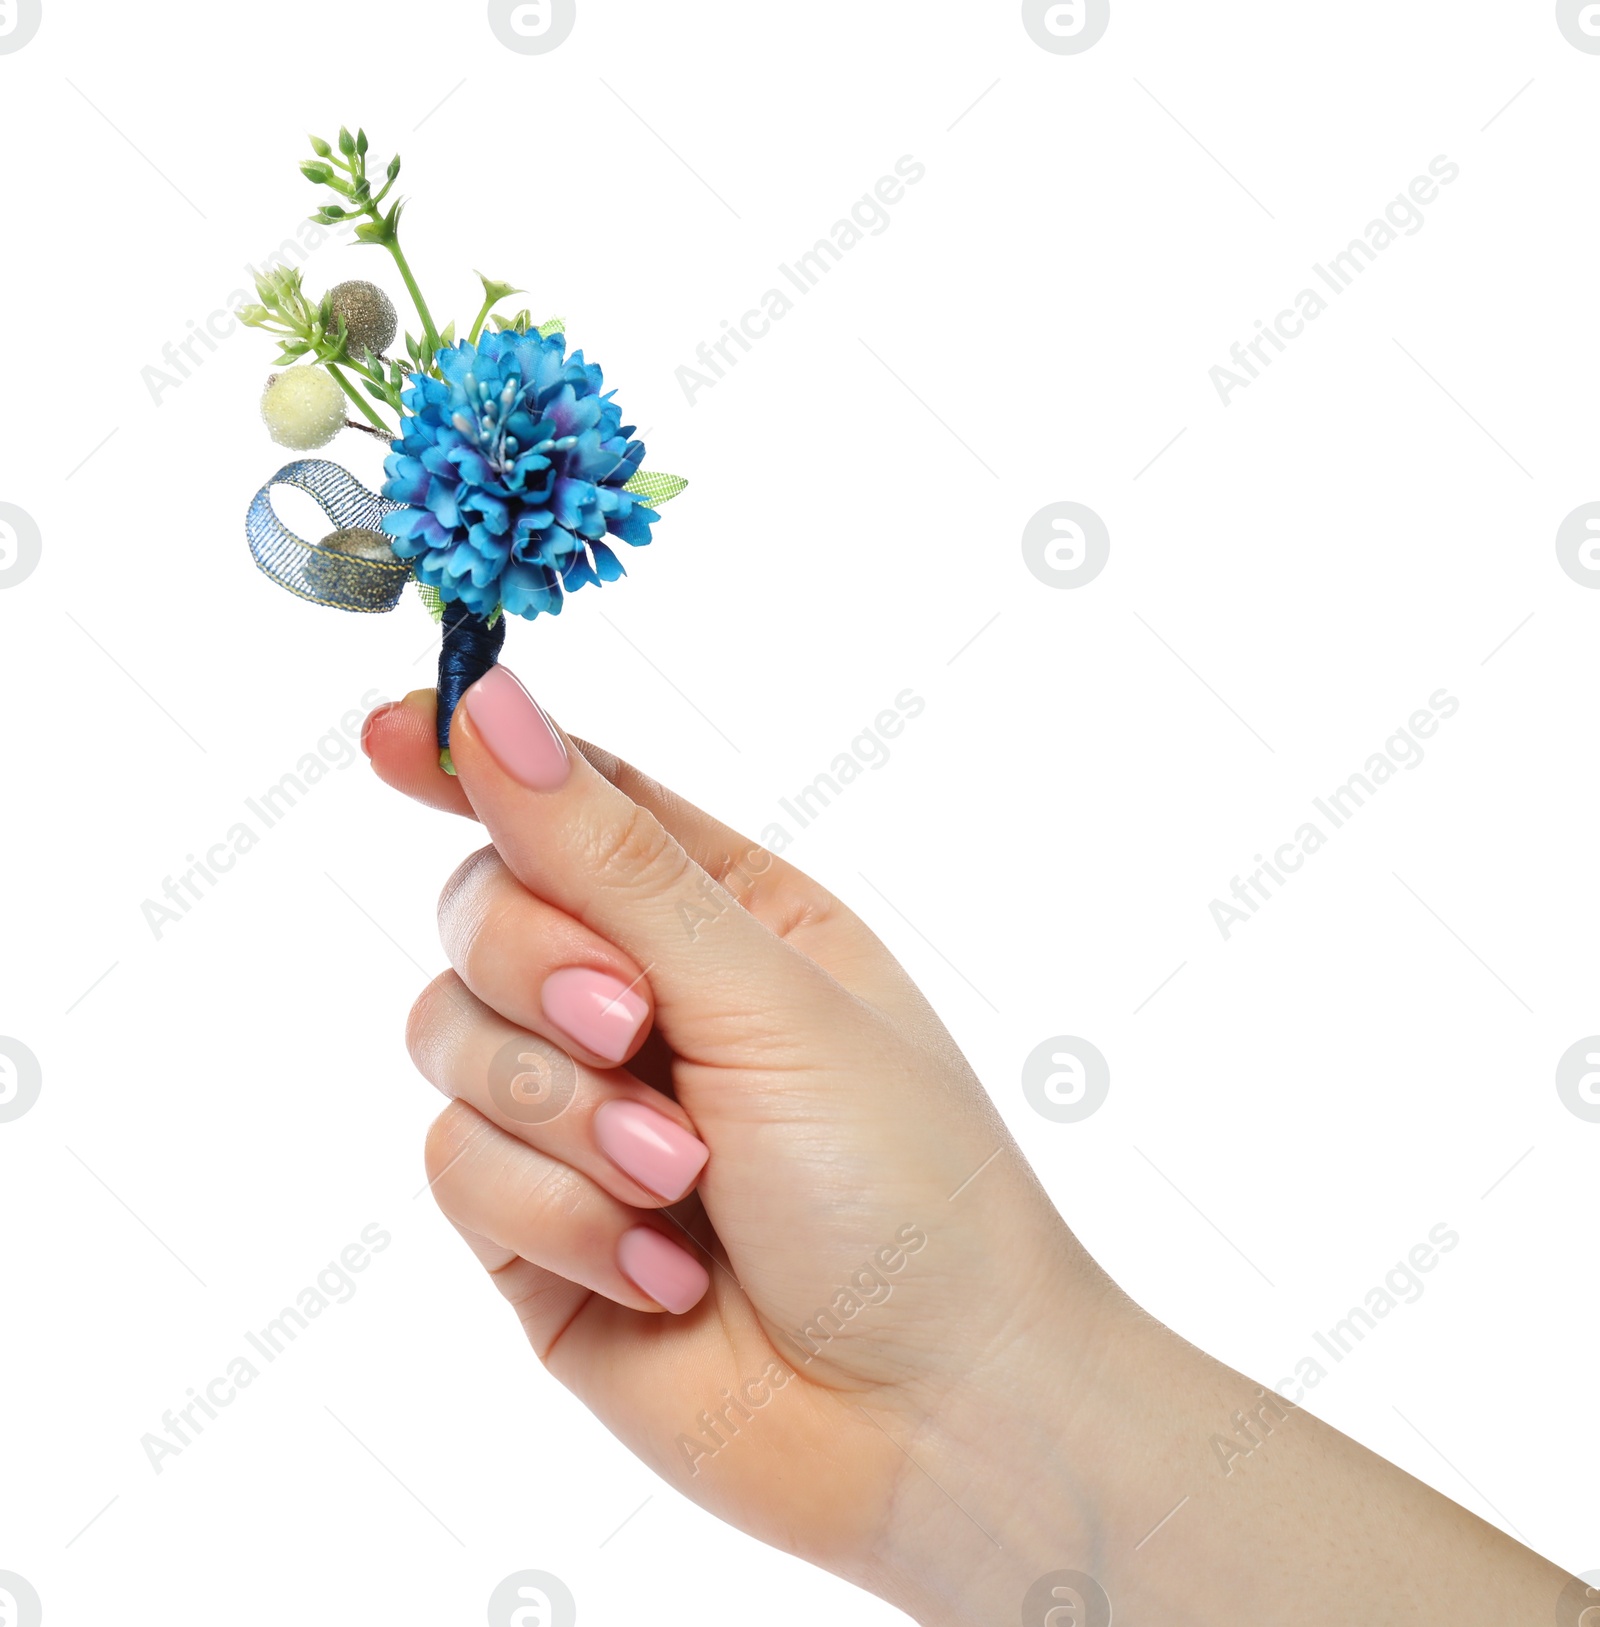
(226, 1107)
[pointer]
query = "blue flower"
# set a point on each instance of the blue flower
(512, 466)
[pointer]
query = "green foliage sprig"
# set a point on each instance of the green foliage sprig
(304, 330)
(345, 172)
(308, 330)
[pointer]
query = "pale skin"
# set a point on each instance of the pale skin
(985, 1410)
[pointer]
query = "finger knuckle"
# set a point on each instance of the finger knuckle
(774, 892)
(449, 1138)
(461, 897)
(635, 854)
(489, 939)
(431, 1022)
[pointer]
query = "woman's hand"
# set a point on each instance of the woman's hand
(864, 1335)
(864, 1241)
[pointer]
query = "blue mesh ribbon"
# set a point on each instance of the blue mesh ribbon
(322, 575)
(348, 581)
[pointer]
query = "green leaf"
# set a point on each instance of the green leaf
(448, 337)
(655, 489)
(432, 599)
(556, 324)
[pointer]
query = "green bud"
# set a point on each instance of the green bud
(347, 142)
(494, 291)
(318, 174)
(253, 316)
(361, 142)
(320, 147)
(394, 166)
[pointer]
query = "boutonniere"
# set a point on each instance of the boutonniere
(511, 475)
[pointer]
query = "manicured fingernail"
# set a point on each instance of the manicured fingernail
(648, 1146)
(516, 732)
(658, 1267)
(597, 1010)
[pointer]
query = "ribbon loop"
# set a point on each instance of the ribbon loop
(346, 581)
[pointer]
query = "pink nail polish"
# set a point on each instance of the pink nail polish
(647, 1145)
(597, 1010)
(674, 1279)
(517, 733)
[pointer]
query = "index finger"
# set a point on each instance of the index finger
(574, 839)
(402, 743)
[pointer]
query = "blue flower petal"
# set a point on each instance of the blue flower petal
(511, 465)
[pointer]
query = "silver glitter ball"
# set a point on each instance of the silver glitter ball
(344, 569)
(369, 316)
(361, 544)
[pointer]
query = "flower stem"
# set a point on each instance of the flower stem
(483, 316)
(429, 332)
(351, 391)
